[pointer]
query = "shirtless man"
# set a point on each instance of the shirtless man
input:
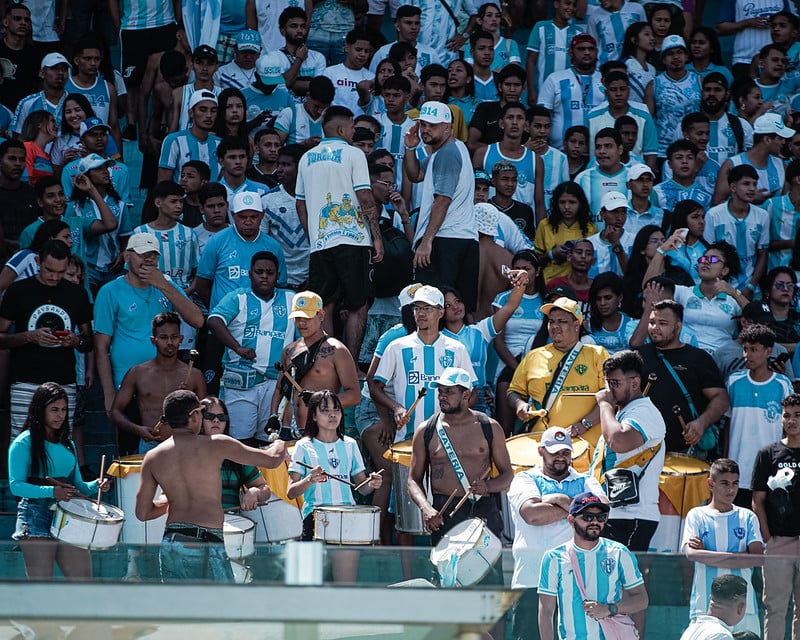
(152, 380)
(468, 432)
(321, 362)
(491, 279)
(187, 469)
(165, 73)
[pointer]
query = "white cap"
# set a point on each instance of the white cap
(94, 161)
(434, 112)
(638, 170)
(53, 59)
(613, 200)
(270, 69)
(430, 295)
(453, 377)
(201, 95)
(772, 123)
(406, 296)
(486, 216)
(671, 42)
(143, 243)
(246, 201)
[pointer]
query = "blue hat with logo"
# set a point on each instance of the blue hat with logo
(585, 500)
(248, 40)
(453, 377)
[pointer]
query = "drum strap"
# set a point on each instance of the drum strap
(679, 382)
(642, 460)
(560, 376)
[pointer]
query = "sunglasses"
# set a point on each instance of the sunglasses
(222, 417)
(784, 286)
(589, 517)
(709, 260)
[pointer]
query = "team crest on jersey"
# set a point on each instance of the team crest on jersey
(772, 411)
(334, 462)
(280, 310)
(581, 369)
(164, 302)
(608, 565)
(132, 308)
(755, 233)
(179, 244)
(446, 360)
(739, 532)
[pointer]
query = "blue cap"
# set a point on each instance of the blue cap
(584, 500)
(93, 123)
(248, 40)
(453, 377)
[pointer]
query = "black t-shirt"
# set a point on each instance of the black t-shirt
(269, 179)
(31, 305)
(783, 509)
(486, 118)
(788, 330)
(18, 209)
(696, 369)
(23, 75)
(191, 216)
(522, 215)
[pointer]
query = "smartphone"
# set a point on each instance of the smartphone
(782, 358)
(568, 245)
(61, 333)
(504, 270)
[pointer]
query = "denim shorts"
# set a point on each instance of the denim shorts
(182, 558)
(33, 520)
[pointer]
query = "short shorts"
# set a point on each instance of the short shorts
(341, 275)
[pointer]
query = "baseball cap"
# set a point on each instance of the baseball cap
(53, 59)
(556, 439)
(143, 243)
(430, 295)
(755, 311)
(638, 170)
(772, 123)
(434, 112)
(451, 377)
(672, 42)
(306, 304)
(248, 40)
(480, 174)
(582, 37)
(246, 201)
(94, 161)
(406, 296)
(269, 70)
(562, 291)
(93, 123)
(360, 134)
(584, 500)
(565, 304)
(204, 52)
(201, 95)
(716, 76)
(486, 216)
(613, 200)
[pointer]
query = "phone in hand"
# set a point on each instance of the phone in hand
(61, 333)
(504, 270)
(782, 358)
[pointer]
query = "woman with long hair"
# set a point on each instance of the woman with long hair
(685, 245)
(637, 47)
(506, 50)
(748, 100)
(706, 53)
(608, 324)
(570, 219)
(779, 288)
(231, 120)
(38, 132)
(43, 469)
(386, 69)
(644, 247)
(461, 87)
(67, 147)
(576, 148)
(662, 21)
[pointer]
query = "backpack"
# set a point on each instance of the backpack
(395, 271)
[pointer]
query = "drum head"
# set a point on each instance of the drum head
(524, 451)
(458, 540)
(234, 524)
(89, 510)
(680, 464)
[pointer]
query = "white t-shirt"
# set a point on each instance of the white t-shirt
(345, 81)
(707, 628)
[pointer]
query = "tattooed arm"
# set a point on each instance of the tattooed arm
(370, 212)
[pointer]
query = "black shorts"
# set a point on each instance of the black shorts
(341, 275)
(634, 533)
(454, 263)
(138, 45)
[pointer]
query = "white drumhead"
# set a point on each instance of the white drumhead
(237, 524)
(459, 539)
(91, 510)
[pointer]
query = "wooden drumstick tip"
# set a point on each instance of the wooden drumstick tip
(650, 380)
(448, 503)
(420, 395)
(538, 413)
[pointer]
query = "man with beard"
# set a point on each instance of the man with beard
(540, 498)
(687, 377)
(571, 93)
(728, 134)
(18, 197)
(54, 73)
(150, 382)
(632, 441)
(613, 570)
(299, 64)
(193, 143)
(450, 447)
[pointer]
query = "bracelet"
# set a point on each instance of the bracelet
(411, 148)
(661, 251)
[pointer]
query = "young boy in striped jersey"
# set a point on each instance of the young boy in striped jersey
(721, 538)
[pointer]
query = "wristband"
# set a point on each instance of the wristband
(411, 148)
(661, 251)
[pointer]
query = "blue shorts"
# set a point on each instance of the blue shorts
(33, 520)
(182, 557)
(365, 414)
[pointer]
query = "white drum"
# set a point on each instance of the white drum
(277, 521)
(241, 573)
(240, 536)
(348, 524)
(466, 553)
(135, 531)
(85, 524)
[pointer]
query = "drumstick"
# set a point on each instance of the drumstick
(193, 353)
(677, 411)
(308, 466)
(285, 373)
(468, 494)
(258, 504)
(420, 395)
(650, 380)
(538, 413)
(100, 480)
(380, 471)
(447, 504)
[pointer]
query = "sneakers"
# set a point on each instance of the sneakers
(129, 133)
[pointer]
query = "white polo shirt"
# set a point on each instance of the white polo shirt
(711, 320)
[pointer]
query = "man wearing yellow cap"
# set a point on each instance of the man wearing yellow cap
(565, 366)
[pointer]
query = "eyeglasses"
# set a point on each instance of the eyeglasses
(589, 517)
(424, 309)
(222, 417)
(657, 240)
(385, 183)
(709, 260)
(784, 286)
(613, 383)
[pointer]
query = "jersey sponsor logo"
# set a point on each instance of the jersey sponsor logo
(608, 565)
(419, 377)
(344, 82)
(255, 332)
(575, 105)
(235, 272)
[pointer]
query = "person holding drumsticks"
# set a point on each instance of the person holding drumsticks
(42, 469)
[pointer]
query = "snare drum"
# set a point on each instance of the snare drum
(347, 524)
(85, 524)
(277, 521)
(466, 553)
(683, 485)
(127, 472)
(240, 535)
(524, 453)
